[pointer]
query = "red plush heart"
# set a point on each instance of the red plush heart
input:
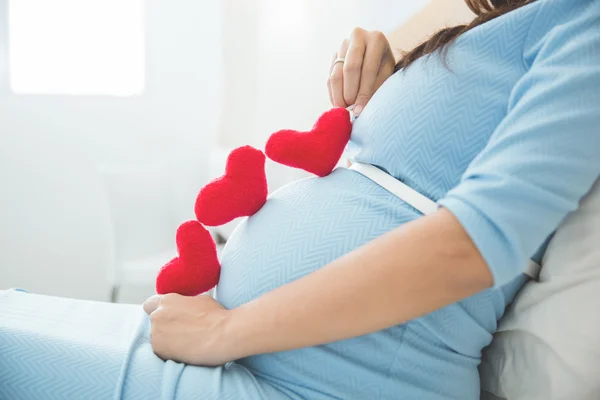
(197, 268)
(316, 151)
(241, 192)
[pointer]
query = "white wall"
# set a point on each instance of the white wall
(54, 230)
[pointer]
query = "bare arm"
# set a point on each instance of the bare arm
(413, 270)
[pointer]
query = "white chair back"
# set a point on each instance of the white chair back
(142, 209)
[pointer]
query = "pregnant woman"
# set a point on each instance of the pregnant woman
(337, 289)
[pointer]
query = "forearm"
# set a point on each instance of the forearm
(413, 270)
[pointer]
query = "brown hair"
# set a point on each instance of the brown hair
(485, 10)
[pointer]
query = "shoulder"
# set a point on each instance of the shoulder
(562, 22)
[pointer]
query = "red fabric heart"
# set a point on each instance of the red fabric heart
(241, 192)
(316, 151)
(197, 268)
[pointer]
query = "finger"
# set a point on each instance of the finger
(336, 78)
(334, 56)
(373, 56)
(353, 65)
(152, 304)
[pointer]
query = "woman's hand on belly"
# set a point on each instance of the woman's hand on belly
(415, 269)
(189, 329)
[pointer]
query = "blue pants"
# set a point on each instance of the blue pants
(57, 349)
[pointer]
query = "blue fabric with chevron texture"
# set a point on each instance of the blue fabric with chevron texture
(53, 348)
(506, 137)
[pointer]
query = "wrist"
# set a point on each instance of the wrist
(236, 335)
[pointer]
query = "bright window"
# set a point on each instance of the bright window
(80, 47)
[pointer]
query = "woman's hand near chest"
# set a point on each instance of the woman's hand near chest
(368, 62)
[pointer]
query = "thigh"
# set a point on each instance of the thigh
(56, 348)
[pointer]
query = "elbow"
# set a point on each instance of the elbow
(470, 270)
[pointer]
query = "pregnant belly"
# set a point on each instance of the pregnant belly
(302, 227)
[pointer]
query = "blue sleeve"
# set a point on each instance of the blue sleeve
(545, 154)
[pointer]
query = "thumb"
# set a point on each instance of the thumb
(152, 304)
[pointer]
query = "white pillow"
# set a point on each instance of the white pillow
(548, 344)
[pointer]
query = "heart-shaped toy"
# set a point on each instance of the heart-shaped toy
(316, 151)
(197, 268)
(241, 192)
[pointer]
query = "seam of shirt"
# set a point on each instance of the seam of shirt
(533, 22)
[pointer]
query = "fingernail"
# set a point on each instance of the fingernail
(357, 110)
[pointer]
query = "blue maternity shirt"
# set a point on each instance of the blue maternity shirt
(506, 135)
